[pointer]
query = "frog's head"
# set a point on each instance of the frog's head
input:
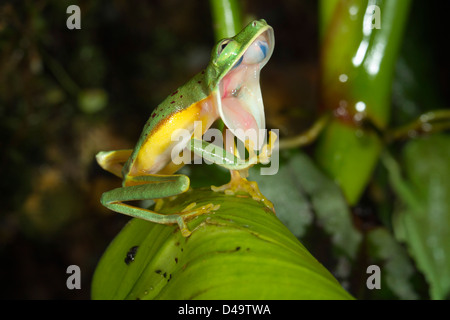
(233, 78)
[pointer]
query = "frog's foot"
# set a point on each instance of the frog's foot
(189, 213)
(266, 151)
(159, 203)
(240, 184)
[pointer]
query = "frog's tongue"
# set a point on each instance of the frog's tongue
(240, 103)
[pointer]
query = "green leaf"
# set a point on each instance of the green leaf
(242, 251)
(423, 222)
(349, 155)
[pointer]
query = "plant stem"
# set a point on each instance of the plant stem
(357, 65)
(307, 137)
(432, 121)
(226, 17)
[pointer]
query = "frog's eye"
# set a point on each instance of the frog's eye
(223, 45)
(257, 52)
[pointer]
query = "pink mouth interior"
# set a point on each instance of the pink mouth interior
(242, 108)
(233, 103)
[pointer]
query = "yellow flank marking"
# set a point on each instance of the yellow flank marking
(155, 152)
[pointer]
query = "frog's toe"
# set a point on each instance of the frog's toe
(239, 184)
(189, 213)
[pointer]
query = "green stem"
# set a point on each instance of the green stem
(359, 44)
(427, 122)
(226, 17)
(307, 137)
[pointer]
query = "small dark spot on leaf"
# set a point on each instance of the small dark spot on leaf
(174, 93)
(199, 81)
(131, 254)
(165, 275)
(172, 102)
(176, 260)
(158, 271)
(238, 248)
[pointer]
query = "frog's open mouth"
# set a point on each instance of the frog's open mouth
(241, 106)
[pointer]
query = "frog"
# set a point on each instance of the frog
(227, 89)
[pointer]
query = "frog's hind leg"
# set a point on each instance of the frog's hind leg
(155, 187)
(113, 161)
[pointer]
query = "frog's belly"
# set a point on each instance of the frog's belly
(157, 150)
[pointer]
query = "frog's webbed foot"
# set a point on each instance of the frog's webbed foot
(189, 213)
(240, 184)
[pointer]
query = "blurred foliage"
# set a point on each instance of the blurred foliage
(67, 94)
(423, 218)
(303, 192)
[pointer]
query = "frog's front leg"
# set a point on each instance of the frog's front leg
(238, 167)
(154, 187)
